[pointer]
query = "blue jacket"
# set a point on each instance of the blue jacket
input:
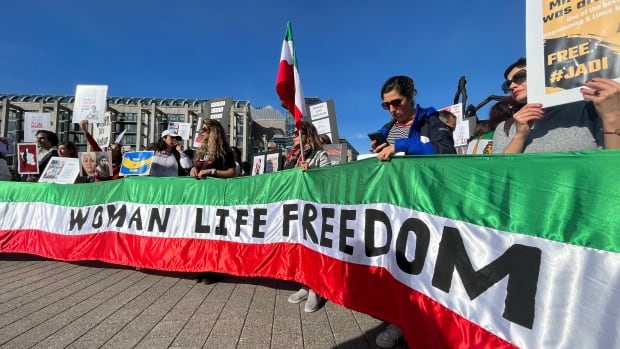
(426, 124)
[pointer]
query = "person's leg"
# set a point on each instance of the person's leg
(313, 303)
(299, 296)
(389, 337)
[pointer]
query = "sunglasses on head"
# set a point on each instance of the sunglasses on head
(394, 103)
(518, 79)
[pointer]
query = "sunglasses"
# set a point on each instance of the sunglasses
(518, 79)
(394, 103)
(297, 133)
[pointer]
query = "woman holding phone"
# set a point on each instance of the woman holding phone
(415, 131)
(412, 130)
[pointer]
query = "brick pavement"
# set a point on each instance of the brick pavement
(53, 304)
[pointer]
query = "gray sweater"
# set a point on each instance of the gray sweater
(568, 127)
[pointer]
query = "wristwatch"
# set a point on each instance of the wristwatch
(213, 172)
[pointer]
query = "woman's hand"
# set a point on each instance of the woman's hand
(525, 116)
(385, 151)
(605, 94)
(303, 165)
(193, 172)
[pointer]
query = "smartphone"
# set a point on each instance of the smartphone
(378, 137)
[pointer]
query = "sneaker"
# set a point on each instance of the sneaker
(298, 296)
(313, 303)
(389, 337)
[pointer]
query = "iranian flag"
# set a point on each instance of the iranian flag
(288, 85)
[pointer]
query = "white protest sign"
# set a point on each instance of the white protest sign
(35, 122)
(102, 132)
(90, 103)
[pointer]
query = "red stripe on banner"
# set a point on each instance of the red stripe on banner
(371, 290)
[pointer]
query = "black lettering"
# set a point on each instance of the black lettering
(309, 215)
(221, 228)
(258, 222)
(423, 238)
(557, 3)
(242, 216)
(98, 217)
(119, 215)
(521, 264)
(327, 213)
(346, 215)
(372, 217)
(155, 218)
(78, 219)
(289, 213)
(201, 228)
(136, 218)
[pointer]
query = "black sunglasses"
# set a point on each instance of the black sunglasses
(297, 133)
(518, 79)
(394, 103)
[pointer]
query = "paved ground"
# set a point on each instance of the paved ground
(52, 304)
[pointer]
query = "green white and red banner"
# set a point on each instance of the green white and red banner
(459, 251)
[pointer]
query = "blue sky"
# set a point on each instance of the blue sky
(209, 49)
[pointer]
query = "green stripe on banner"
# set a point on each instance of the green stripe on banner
(567, 197)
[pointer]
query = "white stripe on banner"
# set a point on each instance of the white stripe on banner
(532, 292)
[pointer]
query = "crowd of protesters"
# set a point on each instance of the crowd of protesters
(514, 126)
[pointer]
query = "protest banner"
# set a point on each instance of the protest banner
(61, 170)
(102, 132)
(569, 43)
(90, 103)
(35, 122)
(492, 260)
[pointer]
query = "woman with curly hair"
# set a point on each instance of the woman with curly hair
(214, 158)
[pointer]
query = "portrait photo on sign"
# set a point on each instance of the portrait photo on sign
(27, 162)
(61, 170)
(95, 164)
(258, 166)
(272, 162)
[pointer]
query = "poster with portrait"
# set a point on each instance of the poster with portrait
(569, 43)
(95, 164)
(461, 131)
(183, 129)
(90, 103)
(137, 163)
(61, 170)
(35, 122)
(258, 165)
(272, 162)
(6, 145)
(27, 158)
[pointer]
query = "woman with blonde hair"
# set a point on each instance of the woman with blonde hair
(214, 158)
(307, 140)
